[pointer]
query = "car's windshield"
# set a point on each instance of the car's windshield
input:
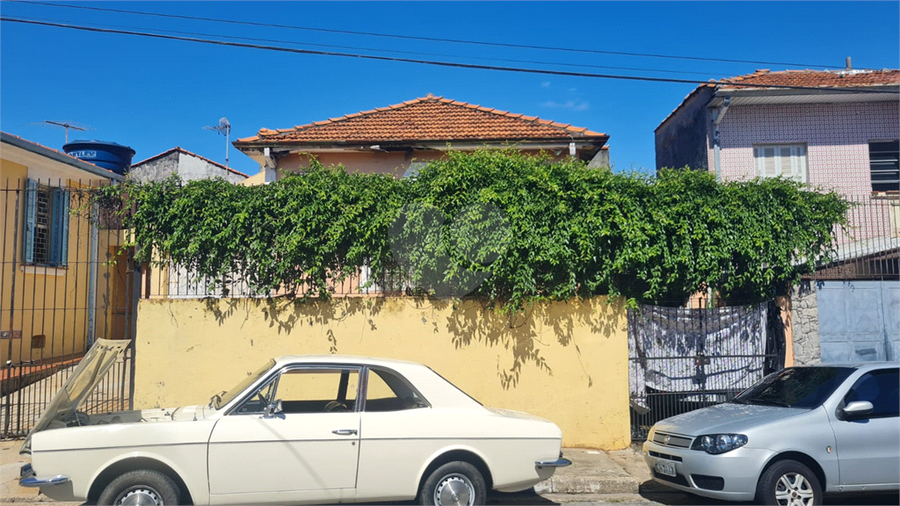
(223, 398)
(795, 387)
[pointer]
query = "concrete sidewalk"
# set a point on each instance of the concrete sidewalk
(593, 472)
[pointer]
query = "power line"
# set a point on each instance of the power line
(428, 39)
(422, 62)
(294, 43)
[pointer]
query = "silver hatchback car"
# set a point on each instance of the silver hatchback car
(794, 435)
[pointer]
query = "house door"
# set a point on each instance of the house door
(122, 303)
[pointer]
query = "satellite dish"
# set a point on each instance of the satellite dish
(224, 128)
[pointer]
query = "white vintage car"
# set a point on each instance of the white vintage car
(300, 429)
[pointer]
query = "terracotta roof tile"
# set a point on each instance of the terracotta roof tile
(425, 119)
(816, 78)
(765, 79)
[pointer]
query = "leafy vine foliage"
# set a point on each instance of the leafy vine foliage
(513, 228)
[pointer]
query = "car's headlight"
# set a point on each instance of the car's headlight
(721, 443)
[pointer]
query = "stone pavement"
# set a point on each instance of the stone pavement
(592, 473)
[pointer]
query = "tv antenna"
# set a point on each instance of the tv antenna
(224, 128)
(65, 125)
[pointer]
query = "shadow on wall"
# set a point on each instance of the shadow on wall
(466, 322)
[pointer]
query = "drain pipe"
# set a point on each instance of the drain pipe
(92, 274)
(269, 167)
(719, 115)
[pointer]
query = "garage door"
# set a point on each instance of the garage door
(859, 320)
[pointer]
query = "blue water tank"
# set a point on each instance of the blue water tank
(108, 155)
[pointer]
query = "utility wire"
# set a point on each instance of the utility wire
(429, 39)
(425, 62)
(357, 48)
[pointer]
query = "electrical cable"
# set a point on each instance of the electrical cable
(426, 62)
(357, 48)
(428, 39)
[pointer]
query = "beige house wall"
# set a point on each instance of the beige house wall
(565, 361)
(394, 163)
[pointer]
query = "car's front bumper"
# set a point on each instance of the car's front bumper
(731, 476)
(28, 478)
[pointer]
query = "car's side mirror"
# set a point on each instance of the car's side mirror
(857, 409)
(274, 410)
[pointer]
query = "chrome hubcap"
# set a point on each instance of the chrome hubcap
(454, 490)
(793, 489)
(140, 496)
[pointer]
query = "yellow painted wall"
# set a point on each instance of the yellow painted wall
(39, 300)
(567, 362)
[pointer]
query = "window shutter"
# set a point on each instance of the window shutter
(30, 212)
(60, 235)
(770, 164)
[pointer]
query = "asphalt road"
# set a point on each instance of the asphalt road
(651, 494)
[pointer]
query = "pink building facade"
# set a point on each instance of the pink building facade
(833, 130)
(836, 137)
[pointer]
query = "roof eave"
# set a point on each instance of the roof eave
(59, 157)
(722, 92)
(274, 144)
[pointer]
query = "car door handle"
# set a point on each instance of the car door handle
(344, 432)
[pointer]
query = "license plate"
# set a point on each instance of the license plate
(666, 467)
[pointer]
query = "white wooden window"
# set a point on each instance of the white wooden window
(785, 160)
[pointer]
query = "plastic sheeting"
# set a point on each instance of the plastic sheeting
(695, 350)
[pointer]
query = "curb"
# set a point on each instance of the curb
(588, 485)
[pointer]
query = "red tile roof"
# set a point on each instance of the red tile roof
(425, 119)
(182, 150)
(814, 78)
(766, 80)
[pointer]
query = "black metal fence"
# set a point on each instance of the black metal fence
(683, 358)
(65, 281)
(869, 247)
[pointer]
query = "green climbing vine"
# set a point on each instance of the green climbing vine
(512, 228)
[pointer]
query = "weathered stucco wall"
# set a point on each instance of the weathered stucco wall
(567, 362)
(805, 321)
(681, 140)
(189, 168)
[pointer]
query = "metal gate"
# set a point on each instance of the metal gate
(859, 320)
(681, 359)
(65, 280)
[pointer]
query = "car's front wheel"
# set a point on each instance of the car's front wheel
(141, 487)
(454, 484)
(789, 483)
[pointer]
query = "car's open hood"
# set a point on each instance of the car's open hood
(89, 373)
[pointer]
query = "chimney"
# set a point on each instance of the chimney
(849, 67)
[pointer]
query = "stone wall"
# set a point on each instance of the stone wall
(805, 320)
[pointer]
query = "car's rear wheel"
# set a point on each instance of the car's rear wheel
(789, 483)
(143, 487)
(454, 484)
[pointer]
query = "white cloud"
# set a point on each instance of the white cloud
(545, 84)
(574, 105)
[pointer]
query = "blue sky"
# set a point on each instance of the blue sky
(154, 94)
